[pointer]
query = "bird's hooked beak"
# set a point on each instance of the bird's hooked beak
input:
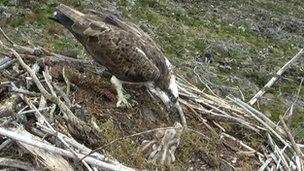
(173, 89)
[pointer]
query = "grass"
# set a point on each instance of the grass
(230, 33)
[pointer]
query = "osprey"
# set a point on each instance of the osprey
(129, 54)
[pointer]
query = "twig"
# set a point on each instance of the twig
(42, 120)
(181, 114)
(48, 80)
(242, 144)
(5, 143)
(32, 110)
(266, 163)
(49, 96)
(224, 117)
(81, 148)
(262, 121)
(6, 37)
(56, 150)
(67, 81)
(15, 89)
(274, 78)
(298, 151)
(6, 63)
(277, 152)
(204, 121)
(199, 77)
(16, 164)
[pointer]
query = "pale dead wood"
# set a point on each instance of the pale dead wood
(222, 117)
(266, 124)
(5, 143)
(265, 165)
(6, 62)
(21, 138)
(274, 78)
(7, 162)
(47, 95)
(250, 149)
(80, 147)
(299, 155)
(50, 160)
(6, 37)
(277, 153)
(41, 119)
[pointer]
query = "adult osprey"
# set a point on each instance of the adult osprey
(125, 50)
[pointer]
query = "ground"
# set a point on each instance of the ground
(234, 47)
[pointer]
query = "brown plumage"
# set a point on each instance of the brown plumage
(123, 48)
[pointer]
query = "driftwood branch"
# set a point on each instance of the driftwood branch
(274, 78)
(47, 95)
(7, 162)
(56, 150)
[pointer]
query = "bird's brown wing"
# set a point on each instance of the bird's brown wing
(151, 49)
(115, 45)
(123, 55)
(129, 27)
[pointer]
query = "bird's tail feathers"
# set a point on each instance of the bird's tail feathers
(73, 14)
(68, 14)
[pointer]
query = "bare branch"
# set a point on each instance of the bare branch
(56, 150)
(274, 78)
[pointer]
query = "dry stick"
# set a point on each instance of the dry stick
(266, 163)
(294, 145)
(277, 152)
(49, 96)
(291, 139)
(16, 164)
(7, 64)
(199, 77)
(6, 37)
(5, 143)
(41, 118)
(274, 78)
(204, 121)
(212, 100)
(181, 114)
(242, 144)
(56, 150)
(227, 117)
(21, 48)
(239, 102)
(82, 149)
(48, 80)
(261, 116)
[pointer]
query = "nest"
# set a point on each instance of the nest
(54, 109)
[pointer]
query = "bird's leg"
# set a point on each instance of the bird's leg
(122, 98)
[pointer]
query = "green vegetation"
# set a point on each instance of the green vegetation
(246, 34)
(245, 43)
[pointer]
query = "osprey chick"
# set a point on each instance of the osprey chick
(125, 50)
